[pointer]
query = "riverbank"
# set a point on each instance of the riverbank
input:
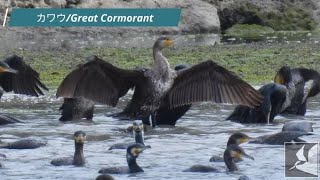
(255, 62)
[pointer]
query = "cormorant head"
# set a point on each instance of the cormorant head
(134, 150)
(238, 138)
(79, 137)
(235, 151)
(104, 177)
(137, 126)
(180, 66)
(162, 42)
(4, 67)
(283, 76)
(91, 58)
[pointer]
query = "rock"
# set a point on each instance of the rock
(279, 15)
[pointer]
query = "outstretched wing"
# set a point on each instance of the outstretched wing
(208, 81)
(99, 81)
(26, 81)
(307, 75)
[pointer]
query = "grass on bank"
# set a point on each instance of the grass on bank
(255, 63)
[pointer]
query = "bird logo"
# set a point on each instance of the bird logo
(309, 165)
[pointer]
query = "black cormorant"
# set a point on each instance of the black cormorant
(231, 153)
(102, 82)
(274, 98)
(133, 152)
(164, 115)
(236, 138)
(17, 76)
(78, 158)
(138, 135)
(76, 108)
(280, 138)
(104, 177)
(298, 78)
(22, 144)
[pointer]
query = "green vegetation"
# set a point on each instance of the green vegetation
(291, 18)
(255, 63)
(249, 31)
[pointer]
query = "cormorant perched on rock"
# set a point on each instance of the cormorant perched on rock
(236, 138)
(138, 132)
(102, 82)
(78, 158)
(231, 153)
(76, 109)
(274, 97)
(17, 76)
(22, 144)
(133, 152)
(299, 77)
(280, 138)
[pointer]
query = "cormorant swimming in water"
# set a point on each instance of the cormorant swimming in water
(298, 78)
(133, 152)
(104, 177)
(280, 138)
(102, 82)
(274, 97)
(76, 108)
(298, 126)
(78, 158)
(17, 76)
(231, 153)
(22, 144)
(236, 138)
(138, 132)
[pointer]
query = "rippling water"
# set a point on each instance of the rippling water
(202, 132)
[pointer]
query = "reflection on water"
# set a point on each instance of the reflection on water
(201, 133)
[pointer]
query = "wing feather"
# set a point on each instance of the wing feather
(208, 81)
(26, 81)
(100, 81)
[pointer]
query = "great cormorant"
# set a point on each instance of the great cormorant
(236, 138)
(22, 144)
(133, 152)
(298, 78)
(102, 82)
(274, 98)
(231, 153)
(138, 135)
(280, 138)
(17, 76)
(78, 158)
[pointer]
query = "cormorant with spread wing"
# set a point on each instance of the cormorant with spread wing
(17, 76)
(102, 82)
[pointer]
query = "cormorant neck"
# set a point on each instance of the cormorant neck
(231, 141)
(133, 166)
(138, 136)
(161, 64)
(78, 159)
(229, 162)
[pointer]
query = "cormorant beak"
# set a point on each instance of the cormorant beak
(244, 140)
(80, 139)
(138, 128)
(10, 70)
(136, 151)
(279, 79)
(168, 42)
